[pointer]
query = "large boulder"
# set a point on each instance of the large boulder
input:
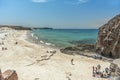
(8, 75)
(115, 68)
(108, 43)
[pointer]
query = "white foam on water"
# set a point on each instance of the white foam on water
(48, 43)
(36, 37)
(41, 42)
(32, 34)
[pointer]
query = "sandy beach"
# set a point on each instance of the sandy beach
(31, 60)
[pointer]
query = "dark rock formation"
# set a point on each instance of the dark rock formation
(42, 28)
(108, 43)
(78, 49)
(83, 41)
(8, 75)
(115, 69)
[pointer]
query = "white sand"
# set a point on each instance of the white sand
(24, 58)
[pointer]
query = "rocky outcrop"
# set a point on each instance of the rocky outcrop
(8, 75)
(108, 43)
(115, 67)
(78, 49)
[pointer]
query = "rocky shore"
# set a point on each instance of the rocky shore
(87, 50)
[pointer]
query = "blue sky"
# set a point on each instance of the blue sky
(58, 13)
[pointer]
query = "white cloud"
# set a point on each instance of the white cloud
(67, 1)
(82, 1)
(39, 1)
(76, 2)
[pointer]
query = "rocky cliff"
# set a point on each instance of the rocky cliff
(108, 43)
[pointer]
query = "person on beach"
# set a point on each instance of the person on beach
(47, 51)
(93, 71)
(96, 70)
(2, 48)
(101, 75)
(107, 72)
(72, 61)
(98, 67)
(16, 43)
(5, 48)
(104, 74)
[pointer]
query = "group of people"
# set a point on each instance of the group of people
(101, 74)
(4, 48)
(2, 43)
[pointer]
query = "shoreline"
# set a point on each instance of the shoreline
(61, 39)
(33, 39)
(20, 56)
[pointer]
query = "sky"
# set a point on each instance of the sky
(82, 14)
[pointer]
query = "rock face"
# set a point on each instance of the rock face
(108, 43)
(8, 75)
(78, 49)
(115, 67)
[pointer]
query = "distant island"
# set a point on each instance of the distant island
(42, 28)
(23, 27)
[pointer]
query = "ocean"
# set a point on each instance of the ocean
(65, 37)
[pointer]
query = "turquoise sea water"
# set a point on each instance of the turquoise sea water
(66, 37)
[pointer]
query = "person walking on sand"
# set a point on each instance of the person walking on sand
(72, 61)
